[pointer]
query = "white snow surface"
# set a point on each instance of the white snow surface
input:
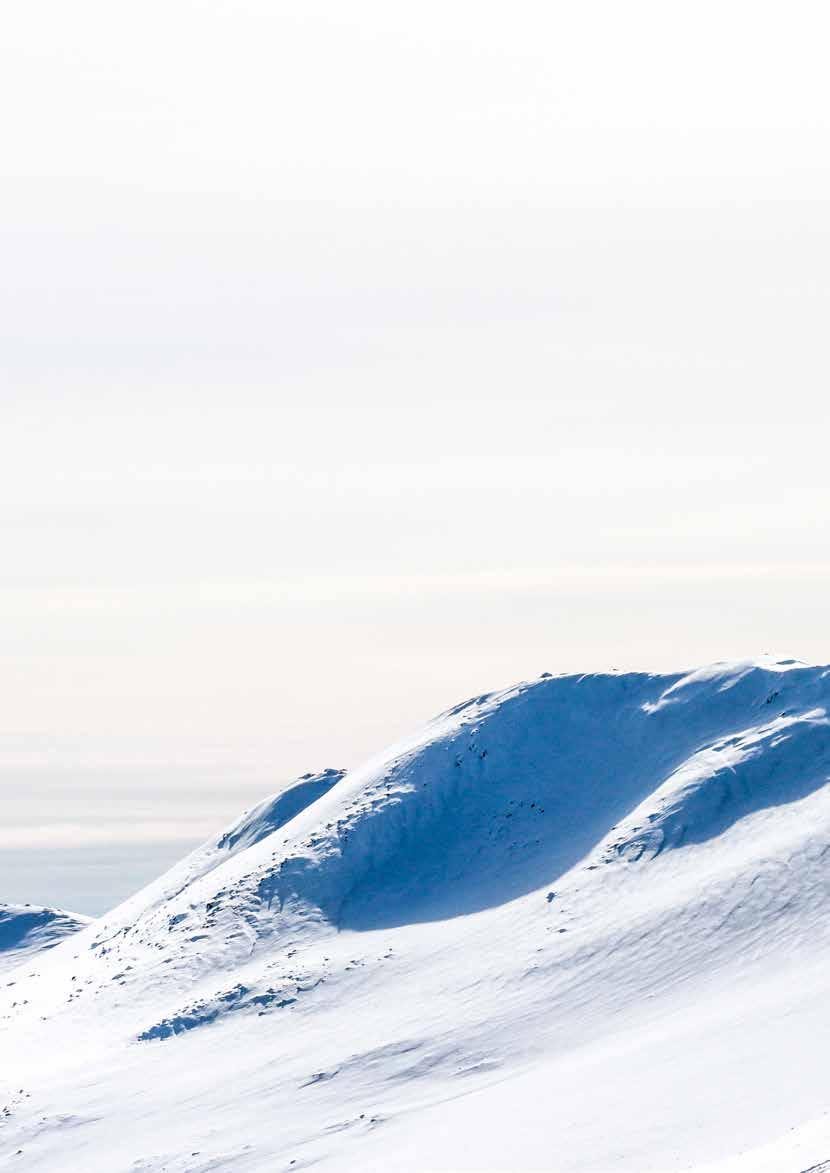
(578, 925)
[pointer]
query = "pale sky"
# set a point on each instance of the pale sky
(359, 357)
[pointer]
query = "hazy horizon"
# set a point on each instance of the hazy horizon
(354, 364)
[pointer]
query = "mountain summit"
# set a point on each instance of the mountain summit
(580, 924)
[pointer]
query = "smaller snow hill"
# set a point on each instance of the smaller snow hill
(26, 929)
(578, 925)
(253, 826)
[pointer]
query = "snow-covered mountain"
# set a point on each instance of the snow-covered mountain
(582, 924)
(26, 929)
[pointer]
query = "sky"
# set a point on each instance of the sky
(360, 357)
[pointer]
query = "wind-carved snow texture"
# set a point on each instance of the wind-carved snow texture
(597, 906)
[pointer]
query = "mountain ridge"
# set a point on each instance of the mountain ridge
(535, 874)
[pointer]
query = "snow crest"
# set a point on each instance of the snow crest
(544, 888)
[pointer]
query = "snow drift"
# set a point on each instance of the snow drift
(578, 924)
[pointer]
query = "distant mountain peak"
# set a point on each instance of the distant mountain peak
(27, 929)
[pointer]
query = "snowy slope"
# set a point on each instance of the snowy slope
(25, 929)
(581, 924)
